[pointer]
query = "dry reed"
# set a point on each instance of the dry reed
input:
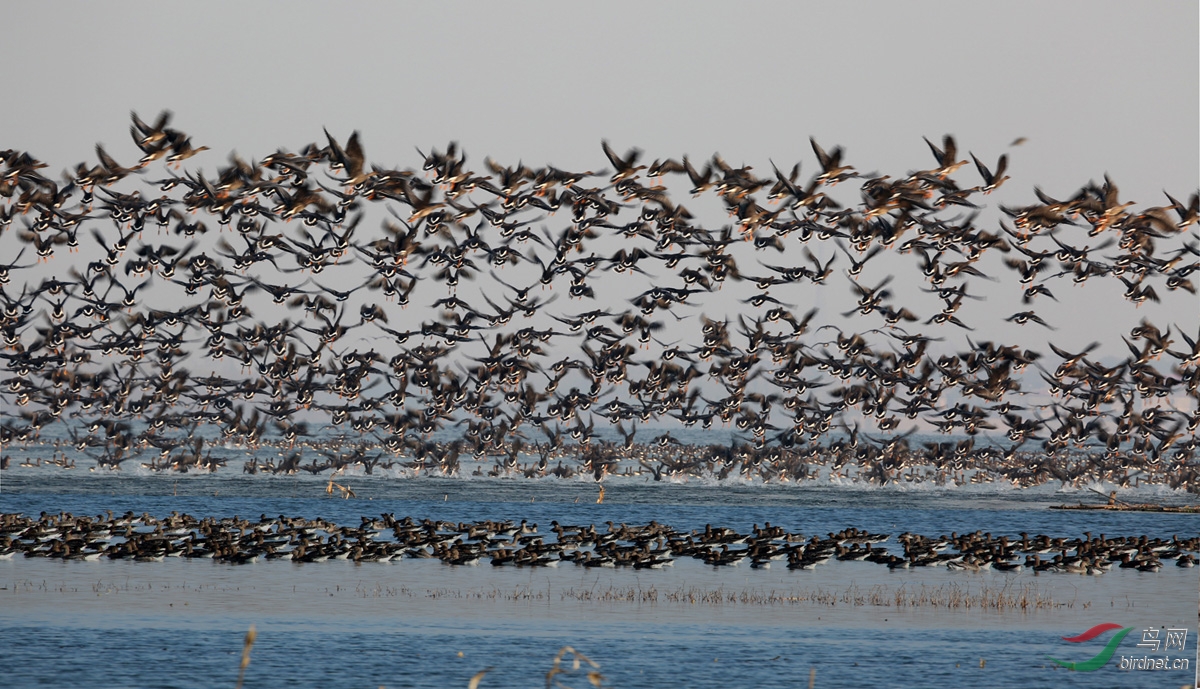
(246, 646)
(949, 596)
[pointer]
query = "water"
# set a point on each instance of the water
(180, 623)
(633, 656)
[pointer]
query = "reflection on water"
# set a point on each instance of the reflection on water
(374, 595)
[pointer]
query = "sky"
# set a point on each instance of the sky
(1095, 88)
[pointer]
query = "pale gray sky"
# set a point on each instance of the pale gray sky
(1096, 86)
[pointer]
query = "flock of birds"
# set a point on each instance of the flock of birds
(253, 307)
(503, 543)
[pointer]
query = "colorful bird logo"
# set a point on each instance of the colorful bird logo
(1097, 661)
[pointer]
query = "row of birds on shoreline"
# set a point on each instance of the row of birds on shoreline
(505, 543)
(129, 368)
